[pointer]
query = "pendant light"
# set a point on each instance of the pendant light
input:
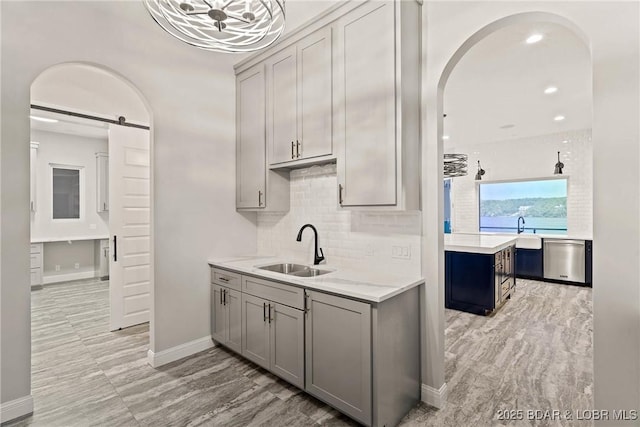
(559, 166)
(455, 165)
(221, 25)
(480, 172)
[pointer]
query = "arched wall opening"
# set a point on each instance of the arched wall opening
(450, 31)
(97, 93)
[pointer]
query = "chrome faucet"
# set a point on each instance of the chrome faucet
(318, 257)
(520, 230)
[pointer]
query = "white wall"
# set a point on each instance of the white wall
(611, 31)
(348, 239)
(527, 158)
(190, 94)
(70, 150)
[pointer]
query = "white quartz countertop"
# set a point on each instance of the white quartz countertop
(477, 243)
(67, 238)
(353, 283)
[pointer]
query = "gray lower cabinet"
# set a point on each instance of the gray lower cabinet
(338, 353)
(273, 337)
(226, 318)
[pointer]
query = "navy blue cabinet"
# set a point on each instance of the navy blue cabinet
(529, 263)
(478, 283)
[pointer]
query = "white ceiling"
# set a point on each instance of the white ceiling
(501, 82)
(69, 125)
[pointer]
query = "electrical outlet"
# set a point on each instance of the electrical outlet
(77, 265)
(57, 267)
(401, 252)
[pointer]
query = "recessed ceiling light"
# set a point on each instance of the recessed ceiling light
(550, 90)
(445, 137)
(534, 38)
(565, 141)
(43, 119)
(559, 118)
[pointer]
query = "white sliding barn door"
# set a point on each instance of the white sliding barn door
(130, 226)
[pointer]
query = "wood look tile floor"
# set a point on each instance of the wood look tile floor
(534, 354)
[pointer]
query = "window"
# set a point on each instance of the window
(542, 204)
(66, 190)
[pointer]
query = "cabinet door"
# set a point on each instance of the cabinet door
(250, 139)
(33, 164)
(282, 106)
(219, 315)
(233, 305)
(255, 330)
(338, 354)
(287, 343)
(314, 94)
(367, 100)
(102, 182)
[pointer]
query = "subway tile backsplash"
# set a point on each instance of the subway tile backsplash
(376, 240)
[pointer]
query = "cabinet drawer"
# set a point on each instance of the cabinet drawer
(35, 277)
(225, 278)
(273, 291)
(36, 248)
(36, 260)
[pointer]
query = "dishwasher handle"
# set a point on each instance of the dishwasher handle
(564, 242)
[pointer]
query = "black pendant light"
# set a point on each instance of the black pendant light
(559, 166)
(480, 172)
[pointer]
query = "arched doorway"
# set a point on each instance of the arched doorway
(91, 126)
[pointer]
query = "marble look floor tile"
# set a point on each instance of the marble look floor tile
(533, 354)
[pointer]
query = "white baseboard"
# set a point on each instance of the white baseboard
(56, 278)
(178, 352)
(16, 408)
(434, 396)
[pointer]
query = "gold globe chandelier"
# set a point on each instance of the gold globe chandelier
(221, 25)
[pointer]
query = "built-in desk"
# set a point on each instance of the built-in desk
(38, 249)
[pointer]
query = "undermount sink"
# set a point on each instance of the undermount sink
(298, 270)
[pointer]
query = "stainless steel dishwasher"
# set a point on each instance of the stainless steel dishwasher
(564, 260)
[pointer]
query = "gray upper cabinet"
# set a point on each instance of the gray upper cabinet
(250, 143)
(299, 100)
(256, 188)
(338, 354)
(377, 90)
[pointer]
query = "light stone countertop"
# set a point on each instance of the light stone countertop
(67, 238)
(353, 283)
(477, 243)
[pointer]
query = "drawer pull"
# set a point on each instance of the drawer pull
(224, 279)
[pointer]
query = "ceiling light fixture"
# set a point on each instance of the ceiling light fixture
(480, 172)
(221, 25)
(534, 38)
(559, 118)
(550, 90)
(43, 119)
(559, 166)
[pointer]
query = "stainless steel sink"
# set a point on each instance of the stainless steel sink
(286, 268)
(310, 272)
(297, 270)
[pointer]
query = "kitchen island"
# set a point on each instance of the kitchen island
(346, 336)
(479, 271)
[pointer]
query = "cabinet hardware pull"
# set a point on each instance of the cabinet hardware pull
(221, 291)
(259, 198)
(104, 206)
(307, 306)
(340, 193)
(224, 293)
(115, 248)
(32, 206)
(292, 148)
(264, 311)
(224, 279)
(297, 149)
(269, 313)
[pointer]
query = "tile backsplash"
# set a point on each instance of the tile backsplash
(377, 240)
